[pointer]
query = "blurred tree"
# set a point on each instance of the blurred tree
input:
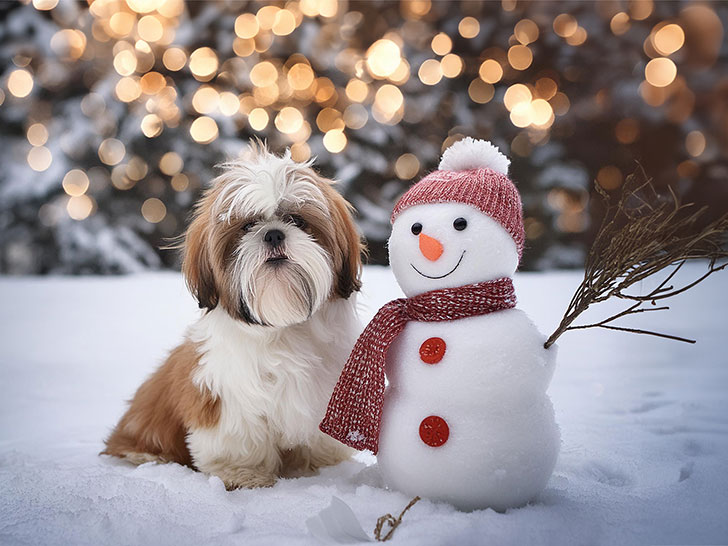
(114, 114)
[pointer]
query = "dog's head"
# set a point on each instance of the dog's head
(270, 241)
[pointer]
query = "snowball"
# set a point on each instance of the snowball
(490, 388)
(470, 153)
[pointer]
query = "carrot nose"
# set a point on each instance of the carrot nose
(430, 247)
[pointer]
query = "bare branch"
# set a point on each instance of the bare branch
(643, 233)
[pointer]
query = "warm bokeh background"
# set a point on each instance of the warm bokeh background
(114, 113)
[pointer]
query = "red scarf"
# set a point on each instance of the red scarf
(354, 414)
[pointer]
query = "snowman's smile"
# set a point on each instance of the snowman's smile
(440, 276)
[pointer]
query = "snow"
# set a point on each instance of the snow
(644, 426)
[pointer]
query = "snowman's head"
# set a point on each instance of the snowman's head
(459, 225)
(444, 245)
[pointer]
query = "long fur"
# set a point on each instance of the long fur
(242, 396)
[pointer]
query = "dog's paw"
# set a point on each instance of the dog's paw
(245, 478)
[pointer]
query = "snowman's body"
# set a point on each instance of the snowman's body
(488, 385)
(465, 418)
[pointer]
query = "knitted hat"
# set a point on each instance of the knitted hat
(473, 172)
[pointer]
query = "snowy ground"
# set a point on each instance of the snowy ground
(644, 424)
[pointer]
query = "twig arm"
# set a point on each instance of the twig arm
(642, 234)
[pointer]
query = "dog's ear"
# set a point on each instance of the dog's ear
(197, 262)
(347, 258)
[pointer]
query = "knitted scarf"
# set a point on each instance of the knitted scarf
(355, 410)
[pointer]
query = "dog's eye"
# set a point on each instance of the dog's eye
(297, 221)
(460, 224)
(248, 226)
(416, 228)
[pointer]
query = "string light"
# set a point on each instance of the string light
(668, 39)
(204, 130)
(203, 63)
(289, 120)
(174, 59)
(39, 158)
(565, 25)
(80, 207)
(490, 71)
(20, 83)
(335, 141)
(619, 23)
(660, 72)
(407, 166)
(45, 5)
(480, 91)
(258, 119)
(526, 31)
(382, 58)
(171, 163)
(37, 134)
(469, 27)
(286, 94)
(75, 183)
(441, 44)
(520, 57)
(430, 72)
(695, 143)
(154, 210)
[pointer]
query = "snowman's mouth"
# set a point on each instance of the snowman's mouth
(440, 276)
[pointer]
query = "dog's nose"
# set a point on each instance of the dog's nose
(274, 237)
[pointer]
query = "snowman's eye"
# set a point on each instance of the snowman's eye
(416, 228)
(460, 224)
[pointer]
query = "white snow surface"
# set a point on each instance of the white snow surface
(644, 424)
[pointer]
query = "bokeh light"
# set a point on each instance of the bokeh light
(75, 183)
(39, 158)
(204, 130)
(660, 72)
(203, 63)
(20, 83)
(111, 151)
(407, 166)
(669, 39)
(154, 210)
(143, 97)
(80, 207)
(469, 27)
(37, 134)
(383, 58)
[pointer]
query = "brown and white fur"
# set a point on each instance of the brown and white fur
(242, 396)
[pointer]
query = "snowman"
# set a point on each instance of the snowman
(464, 417)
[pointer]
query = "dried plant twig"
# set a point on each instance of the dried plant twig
(642, 234)
(389, 519)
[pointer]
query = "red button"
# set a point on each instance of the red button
(434, 431)
(432, 350)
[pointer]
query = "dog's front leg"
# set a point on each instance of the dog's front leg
(247, 461)
(325, 451)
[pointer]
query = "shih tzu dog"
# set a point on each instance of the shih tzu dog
(274, 257)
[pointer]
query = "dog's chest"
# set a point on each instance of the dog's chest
(283, 380)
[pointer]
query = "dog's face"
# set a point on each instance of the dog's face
(271, 241)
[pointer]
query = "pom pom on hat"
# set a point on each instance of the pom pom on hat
(473, 172)
(469, 153)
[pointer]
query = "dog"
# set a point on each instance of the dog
(273, 257)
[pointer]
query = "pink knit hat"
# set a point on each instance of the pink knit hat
(472, 172)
